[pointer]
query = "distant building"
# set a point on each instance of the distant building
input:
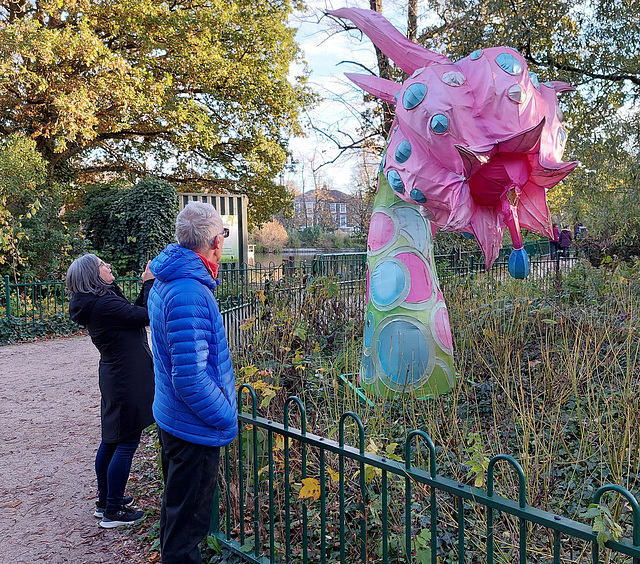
(330, 209)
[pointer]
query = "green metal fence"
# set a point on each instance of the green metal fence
(405, 514)
(545, 273)
(243, 291)
(33, 300)
(291, 287)
(36, 301)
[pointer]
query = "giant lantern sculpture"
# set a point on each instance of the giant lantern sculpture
(474, 147)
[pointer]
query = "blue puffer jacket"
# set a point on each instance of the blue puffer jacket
(195, 396)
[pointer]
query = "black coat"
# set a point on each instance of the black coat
(117, 329)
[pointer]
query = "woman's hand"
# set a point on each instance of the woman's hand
(147, 274)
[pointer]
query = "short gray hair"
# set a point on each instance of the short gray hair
(83, 277)
(196, 225)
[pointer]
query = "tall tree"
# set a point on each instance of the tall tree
(193, 92)
(22, 173)
(385, 71)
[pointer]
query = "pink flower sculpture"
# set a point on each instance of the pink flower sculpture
(478, 142)
(474, 147)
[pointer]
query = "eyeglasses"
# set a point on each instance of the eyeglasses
(224, 233)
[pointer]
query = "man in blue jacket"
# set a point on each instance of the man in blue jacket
(195, 400)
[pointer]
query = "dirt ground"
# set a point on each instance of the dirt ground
(49, 433)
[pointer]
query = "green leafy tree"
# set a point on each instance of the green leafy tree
(127, 226)
(196, 93)
(22, 172)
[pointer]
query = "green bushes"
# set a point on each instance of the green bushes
(318, 237)
(129, 225)
(15, 329)
(34, 237)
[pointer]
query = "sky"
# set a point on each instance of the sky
(328, 53)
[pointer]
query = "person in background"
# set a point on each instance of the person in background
(565, 241)
(555, 242)
(125, 375)
(195, 404)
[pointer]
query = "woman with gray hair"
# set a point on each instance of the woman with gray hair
(125, 376)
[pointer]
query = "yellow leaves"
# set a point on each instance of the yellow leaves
(335, 476)
(298, 361)
(267, 396)
(310, 489)
(248, 371)
(247, 323)
(261, 386)
(389, 451)
(370, 472)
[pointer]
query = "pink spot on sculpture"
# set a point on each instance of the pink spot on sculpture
(418, 271)
(443, 328)
(382, 228)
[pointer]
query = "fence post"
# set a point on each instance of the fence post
(7, 289)
(558, 275)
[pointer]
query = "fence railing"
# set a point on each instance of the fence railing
(291, 496)
(35, 301)
(545, 272)
(342, 278)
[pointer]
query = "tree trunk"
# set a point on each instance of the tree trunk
(412, 20)
(384, 69)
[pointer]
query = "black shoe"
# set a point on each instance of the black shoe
(124, 516)
(99, 512)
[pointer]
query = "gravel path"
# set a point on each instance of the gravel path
(49, 432)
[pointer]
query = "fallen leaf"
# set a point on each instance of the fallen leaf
(310, 489)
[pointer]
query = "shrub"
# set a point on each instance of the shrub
(14, 329)
(271, 237)
(129, 225)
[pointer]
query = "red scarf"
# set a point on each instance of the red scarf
(212, 267)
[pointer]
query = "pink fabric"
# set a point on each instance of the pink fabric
(380, 88)
(501, 152)
(381, 230)
(408, 55)
(421, 287)
(443, 327)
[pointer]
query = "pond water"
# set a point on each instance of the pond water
(265, 259)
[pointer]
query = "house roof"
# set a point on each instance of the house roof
(325, 195)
